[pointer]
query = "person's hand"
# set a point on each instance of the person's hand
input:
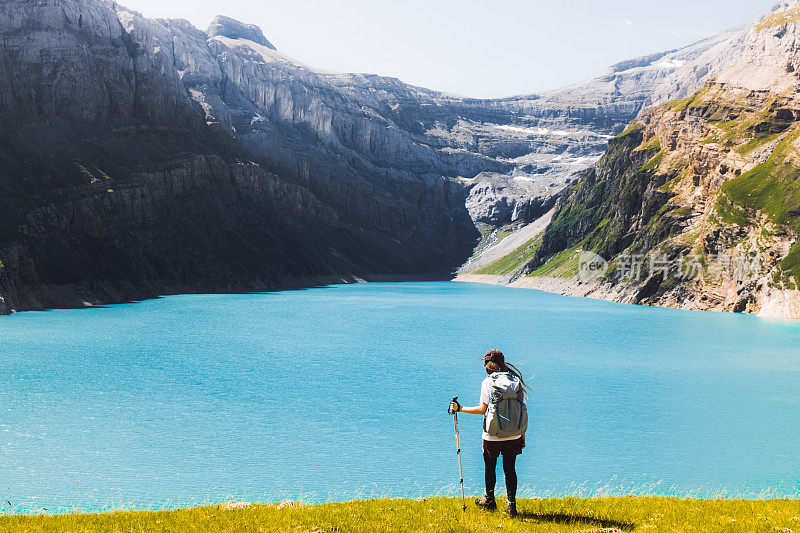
(455, 406)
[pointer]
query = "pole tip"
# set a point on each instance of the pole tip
(463, 507)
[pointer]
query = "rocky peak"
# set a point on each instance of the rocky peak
(233, 29)
(769, 60)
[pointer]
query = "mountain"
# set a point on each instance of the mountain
(697, 204)
(144, 157)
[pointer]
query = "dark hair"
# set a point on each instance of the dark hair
(501, 365)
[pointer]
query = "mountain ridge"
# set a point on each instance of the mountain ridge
(356, 175)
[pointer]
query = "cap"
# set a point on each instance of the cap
(493, 356)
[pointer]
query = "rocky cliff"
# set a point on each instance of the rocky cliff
(696, 205)
(143, 157)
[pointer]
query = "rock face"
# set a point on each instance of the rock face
(525, 149)
(142, 157)
(702, 193)
(555, 135)
(495, 200)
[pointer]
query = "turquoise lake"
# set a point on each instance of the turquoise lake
(341, 392)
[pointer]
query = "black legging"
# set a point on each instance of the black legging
(508, 469)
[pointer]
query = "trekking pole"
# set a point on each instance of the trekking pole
(458, 452)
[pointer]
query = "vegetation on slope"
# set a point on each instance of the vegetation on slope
(656, 178)
(618, 514)
(791, 263)
(728, 212)
(598, 211)
(513, 261)
(636, 126)
(562, 265)
(773, 187)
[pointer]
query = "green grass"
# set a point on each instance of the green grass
(683, 104)
(669, 186)
(729, 213)
(655, 161)
(758, 140)
(512, 261)
(624, 514)
(749, 129)
(563, 265)
(773, 187)
(488, 231)
(679, 105)
(681, 212)
(652, 144)
(636, 126)
(503, 233)
(791, 264)
(485, 230)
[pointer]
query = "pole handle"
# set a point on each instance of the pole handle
(450, 411)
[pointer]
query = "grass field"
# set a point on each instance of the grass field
(606, 515)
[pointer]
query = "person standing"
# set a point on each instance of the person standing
(502, 404)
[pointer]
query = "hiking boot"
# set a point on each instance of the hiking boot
(486, 502)
(511, 509)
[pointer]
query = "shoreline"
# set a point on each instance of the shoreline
(625, 294)
(290, 284)
(564, 287)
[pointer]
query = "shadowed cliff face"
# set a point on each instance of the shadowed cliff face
(116, 185)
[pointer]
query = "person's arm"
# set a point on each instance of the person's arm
(477, 410)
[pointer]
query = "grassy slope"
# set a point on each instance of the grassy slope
(444, 514)
(512, 261)
(772, 188)
(563, 265)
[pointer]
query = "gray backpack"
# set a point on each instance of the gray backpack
(506, 415)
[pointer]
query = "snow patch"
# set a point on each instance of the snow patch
(533, 131)
(526, 131)
(668, 63)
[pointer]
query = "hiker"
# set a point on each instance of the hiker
(505, 420)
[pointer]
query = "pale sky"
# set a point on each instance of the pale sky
(479, 48)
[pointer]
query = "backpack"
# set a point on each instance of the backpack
(506, 415)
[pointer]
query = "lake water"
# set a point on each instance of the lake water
(341, 392)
